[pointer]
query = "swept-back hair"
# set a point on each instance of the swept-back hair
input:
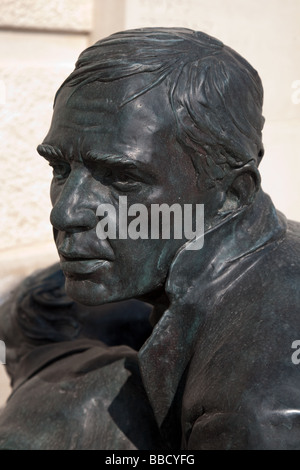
(216, 95)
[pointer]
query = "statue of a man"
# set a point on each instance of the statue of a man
(158, 116)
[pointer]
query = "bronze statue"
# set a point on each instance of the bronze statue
(161, 116)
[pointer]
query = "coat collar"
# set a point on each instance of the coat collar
(196, 283)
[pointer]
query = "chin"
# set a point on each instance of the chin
(91, 294)
(88, 293)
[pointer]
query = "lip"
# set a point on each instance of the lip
(83, 266)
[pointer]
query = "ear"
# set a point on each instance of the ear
(241, 189)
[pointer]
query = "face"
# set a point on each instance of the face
(100, 151)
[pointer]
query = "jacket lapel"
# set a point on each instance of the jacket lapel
(196, 283)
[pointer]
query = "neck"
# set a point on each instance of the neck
(160, 302)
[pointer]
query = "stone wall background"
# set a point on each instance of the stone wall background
(39, 44)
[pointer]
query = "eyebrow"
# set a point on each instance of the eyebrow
(49, 152)
(111, 159)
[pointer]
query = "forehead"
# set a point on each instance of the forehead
(95, 116)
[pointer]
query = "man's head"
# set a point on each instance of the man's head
(163, 116)
(215, 95)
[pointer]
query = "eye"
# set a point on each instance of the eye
(118, 178)
(123, 181)
(61, 170)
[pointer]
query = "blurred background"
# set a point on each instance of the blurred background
(39, 44)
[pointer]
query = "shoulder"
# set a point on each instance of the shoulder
(243, 381)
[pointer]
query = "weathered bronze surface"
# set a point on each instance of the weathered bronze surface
(168, 116)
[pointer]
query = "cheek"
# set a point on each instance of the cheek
(145, 261)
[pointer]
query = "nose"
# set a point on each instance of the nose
(73, 209)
